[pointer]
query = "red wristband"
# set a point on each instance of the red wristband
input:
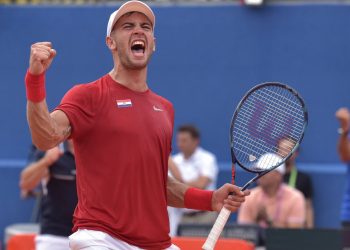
(35, 87)
(198, 199)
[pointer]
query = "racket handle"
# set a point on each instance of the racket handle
(217, 229)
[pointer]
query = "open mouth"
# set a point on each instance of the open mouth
(138, 47)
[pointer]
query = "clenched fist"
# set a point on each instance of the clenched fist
(41, 56)
(229, 196)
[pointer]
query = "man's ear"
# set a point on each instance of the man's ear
(111, 44)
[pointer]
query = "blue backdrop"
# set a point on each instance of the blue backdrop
(206, 59)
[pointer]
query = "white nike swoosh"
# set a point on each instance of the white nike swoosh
(157, 109)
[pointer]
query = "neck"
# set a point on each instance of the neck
(134, 79)
(271, 190)
(187, 155)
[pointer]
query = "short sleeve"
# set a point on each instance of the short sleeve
(79, 105)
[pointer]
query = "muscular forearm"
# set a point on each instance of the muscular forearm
(44, 129)
(34, 173)
(47, 129)
(176, 192)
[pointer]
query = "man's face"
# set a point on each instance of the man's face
(133, 34)
(186, 143)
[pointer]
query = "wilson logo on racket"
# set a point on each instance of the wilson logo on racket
(124, 103)
(268, 125)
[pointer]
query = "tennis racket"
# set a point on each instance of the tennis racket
(266, 114)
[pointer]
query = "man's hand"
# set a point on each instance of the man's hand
(41, 56)
(343, 115)
(222, 197)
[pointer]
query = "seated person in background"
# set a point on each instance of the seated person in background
(55, 170)
(298, 179)
(273, 203)
(197, 168)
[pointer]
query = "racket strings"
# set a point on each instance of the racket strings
(270, 115)
(243, 117)
(287, 97)
(286, 110)
(245, 142)
(280, 121)
(266, 116)
(245, 138)
(292, 108)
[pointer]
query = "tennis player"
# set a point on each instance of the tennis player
(122, 135)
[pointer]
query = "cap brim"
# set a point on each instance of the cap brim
(131, 6)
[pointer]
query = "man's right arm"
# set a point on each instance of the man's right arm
(47, 130)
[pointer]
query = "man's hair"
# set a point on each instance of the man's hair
(191, 129)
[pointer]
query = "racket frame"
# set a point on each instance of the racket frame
(225, 213)
(234, 159)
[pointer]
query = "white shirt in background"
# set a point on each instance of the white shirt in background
(201, 163)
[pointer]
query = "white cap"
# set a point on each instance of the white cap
(130, 6)
(270, 159)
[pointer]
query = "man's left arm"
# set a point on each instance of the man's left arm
(181, 195)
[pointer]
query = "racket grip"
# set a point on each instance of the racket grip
(217, 229)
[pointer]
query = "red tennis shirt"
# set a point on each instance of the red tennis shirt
(122, 141)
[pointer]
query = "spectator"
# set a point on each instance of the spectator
(272, 203)
(55, 169)
(198, 168)
(298, 179)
